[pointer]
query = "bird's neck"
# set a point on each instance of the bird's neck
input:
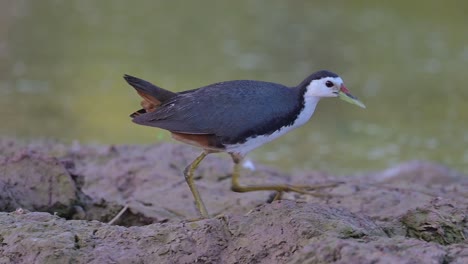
(310, 102)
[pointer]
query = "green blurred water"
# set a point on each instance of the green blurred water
(61, 67)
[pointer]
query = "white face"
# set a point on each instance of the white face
(325, 87)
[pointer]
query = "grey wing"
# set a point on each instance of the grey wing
(229, 110)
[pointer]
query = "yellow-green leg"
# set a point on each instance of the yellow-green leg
(188, 173)
(236, 187)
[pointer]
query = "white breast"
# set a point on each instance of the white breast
(255, 142)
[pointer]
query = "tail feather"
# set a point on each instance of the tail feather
(148, 88)
(137, 113)
(153, 96)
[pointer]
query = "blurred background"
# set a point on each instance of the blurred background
(61, 67)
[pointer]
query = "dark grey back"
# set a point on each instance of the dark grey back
(230, 110)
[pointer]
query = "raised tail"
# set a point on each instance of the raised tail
(148, 88)
(152, 95)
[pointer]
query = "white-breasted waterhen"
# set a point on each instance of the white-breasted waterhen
(235, 117)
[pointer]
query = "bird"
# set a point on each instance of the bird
(235, 117)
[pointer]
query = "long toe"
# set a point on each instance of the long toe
(312, 189)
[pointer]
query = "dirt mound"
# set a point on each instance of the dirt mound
(413, 212)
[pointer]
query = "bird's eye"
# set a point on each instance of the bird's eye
(329, 84)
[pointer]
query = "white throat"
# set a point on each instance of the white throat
(310, 102)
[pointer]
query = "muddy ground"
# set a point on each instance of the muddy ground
(56, 201)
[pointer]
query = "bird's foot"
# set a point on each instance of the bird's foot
(192, 220)
(305, 189)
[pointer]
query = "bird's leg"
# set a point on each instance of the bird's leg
(188, 173)
(236, 187)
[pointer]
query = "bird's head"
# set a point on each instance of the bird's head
(328, 84)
